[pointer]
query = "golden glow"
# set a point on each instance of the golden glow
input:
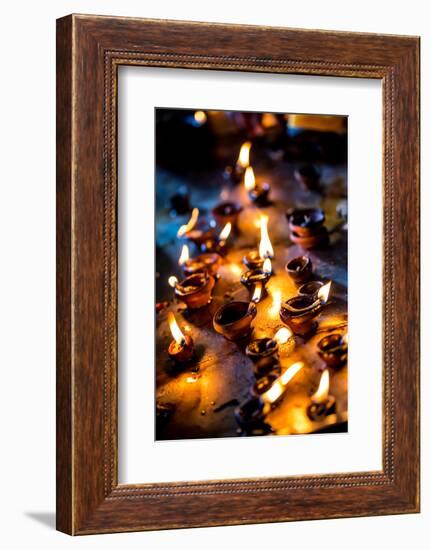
(249, 180)
(200, 117)
(235, 269)
(173, 281)
(269, 120)
(185, 255)
(265, 246)
(322, 392)
(244, 154)
(282, 335)
(346, 339)
(277, 389)
(190, 224)
(191, 379)
(274, 310)
(267, 266)
(323, 293)
(225, 232)
(257, 293)
(175, 329)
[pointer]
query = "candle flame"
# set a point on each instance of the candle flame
(185, 255)
(257, 293)
(282, 335)
(322, 392)
(249, 180)
(267, 267)
(225, 232)
(173, 281)
(175, 329)
(244, 154)
(190, 224)
(200, 117)
(265, 246)
(277, 389)
(323, 293)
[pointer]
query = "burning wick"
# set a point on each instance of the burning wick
(195, 290)
(257, 293)
(190, 224)
(333, 349)
(258, 192)
(323, 293)
(209, 262)
(225, 232)
(254, 277)
(322, 403)
(185, 255)
(264, 351)
(173, 281)
(265, 246)
(181, 348)
(277, 389)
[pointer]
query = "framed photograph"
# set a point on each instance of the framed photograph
(237, 274)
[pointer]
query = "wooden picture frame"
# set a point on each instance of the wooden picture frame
(89, 51)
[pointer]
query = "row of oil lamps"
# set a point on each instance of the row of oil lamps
(234, 319)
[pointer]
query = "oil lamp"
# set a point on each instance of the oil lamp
(253, 277)
(264, 383)
(299, 312)
(257, 191)
(264, 352)
(251, 418)
(299, 269)
(253, 260)
(207, 262)
(306, 227)
(333, 350)
(322, 403)
(276, 391)
(181, 348)
(233, 320)
(227, 212)
(195, 290)
(311, 288)
(214, 243)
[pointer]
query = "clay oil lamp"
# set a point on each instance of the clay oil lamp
(226, 212)
(257, 278)
(299, 269)
(214, 243)
(309, 177)
(233, 320)
(264, 352)
(273, 395)
(250, 416)
(306, 227)
(264, 383)
(310, 289)
(208, 262)
(181, 348)
(257, 191)
(322, 404)
(299, 313)
(195, 290)
(253, 260)
(333, 350)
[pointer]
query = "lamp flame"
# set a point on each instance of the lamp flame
(346, 339)
(175, 329)
(277, 389)
(282, 335)
(265, 246)
(249, 179)
(257, 293)
(185, 255)
(267, 267)
(323, 293)
(322, 392)
(173, 281)
(190, 224)
(225, 232)
(200, 117)
(244, 155)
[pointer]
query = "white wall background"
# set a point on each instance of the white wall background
(27, 280)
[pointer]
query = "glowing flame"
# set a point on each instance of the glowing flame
(322, 392)
(185, 255)
(200, 117)
(265, 246)
(346, 339)
(277, 389)
(269, 120)
(225, 232)
(191, 379)
(274, 310)
(173, 281)
(282, 335)
(267, 267)
(175, 329)
(190, 224)
(257, 293)
(244, 154)
(249, 180)
(323, 293)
